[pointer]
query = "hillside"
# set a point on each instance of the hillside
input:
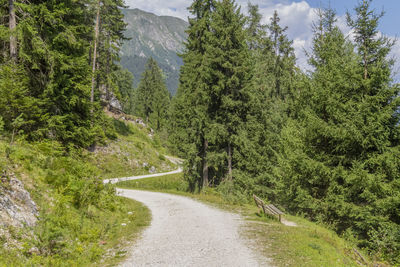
(54, 208)
(160, 37)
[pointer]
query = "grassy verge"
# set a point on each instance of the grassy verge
(82, 222)
(308, 244)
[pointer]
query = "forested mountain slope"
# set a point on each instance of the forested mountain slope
(160, 37)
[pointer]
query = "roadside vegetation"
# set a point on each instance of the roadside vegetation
(82, 221)
(324, 143)
(307, 244)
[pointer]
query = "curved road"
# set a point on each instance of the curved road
(185, 232)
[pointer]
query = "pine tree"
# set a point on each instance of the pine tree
(152, 96)
(339, 152)
(111, 35)
(227, 62)
(189, 110)
(123, 80)
(255, 30)
(271, 96)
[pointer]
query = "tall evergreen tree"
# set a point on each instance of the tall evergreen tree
(111, 35)
(152, 96)
(190, 125)
(123, 80)
(339, 161)
(227, 62)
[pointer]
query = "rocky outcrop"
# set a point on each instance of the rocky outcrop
(17, 208)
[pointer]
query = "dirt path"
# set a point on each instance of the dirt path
(185, 232)
(117, 180)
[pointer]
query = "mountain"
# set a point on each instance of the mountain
(160, 37)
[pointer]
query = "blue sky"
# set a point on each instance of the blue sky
(390, 23)
(298, 15)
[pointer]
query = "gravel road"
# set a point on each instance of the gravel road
(185, 232)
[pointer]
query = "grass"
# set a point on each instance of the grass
(308, 244)
(82, 222)
(133, 153)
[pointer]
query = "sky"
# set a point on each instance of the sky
(298, 15)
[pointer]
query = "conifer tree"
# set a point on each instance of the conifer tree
(111, 35)
(13, 26)
(227, 60)
(190, 106)
(338, 155)
(152, 96)
(123, 80)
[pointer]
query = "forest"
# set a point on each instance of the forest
(323, 143)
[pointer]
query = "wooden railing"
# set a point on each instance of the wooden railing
(268, 208)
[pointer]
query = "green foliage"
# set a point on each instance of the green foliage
(325, 144)
(18, 110)
(78, 213)
(47, 87)
(339, 155)
(152, 97)
(124, 81)
(173, 182)
(212, 101)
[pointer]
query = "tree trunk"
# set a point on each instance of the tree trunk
(108, 94)
(230, 162)
(13, 26)
(365, 66)
(205, 163)
(96, 37)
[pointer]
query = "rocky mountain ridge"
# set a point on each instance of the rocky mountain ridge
(160, 37)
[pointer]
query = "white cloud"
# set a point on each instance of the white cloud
(298, 16)
(176, 8)
(396, 55)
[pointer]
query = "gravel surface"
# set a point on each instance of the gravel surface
(117, 180)
(185, 232)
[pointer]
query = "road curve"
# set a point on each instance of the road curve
(185, 232)
(117, 180)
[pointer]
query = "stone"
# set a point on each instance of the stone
(16, 205)
(152, 169)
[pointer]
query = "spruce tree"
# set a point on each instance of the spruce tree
(123, 80)
(339, 152)
(111, 35)
(189, 109)
(227, 62)
(152, 96)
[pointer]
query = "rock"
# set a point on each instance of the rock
(152, 169)
(16, 205)
(34, 251)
